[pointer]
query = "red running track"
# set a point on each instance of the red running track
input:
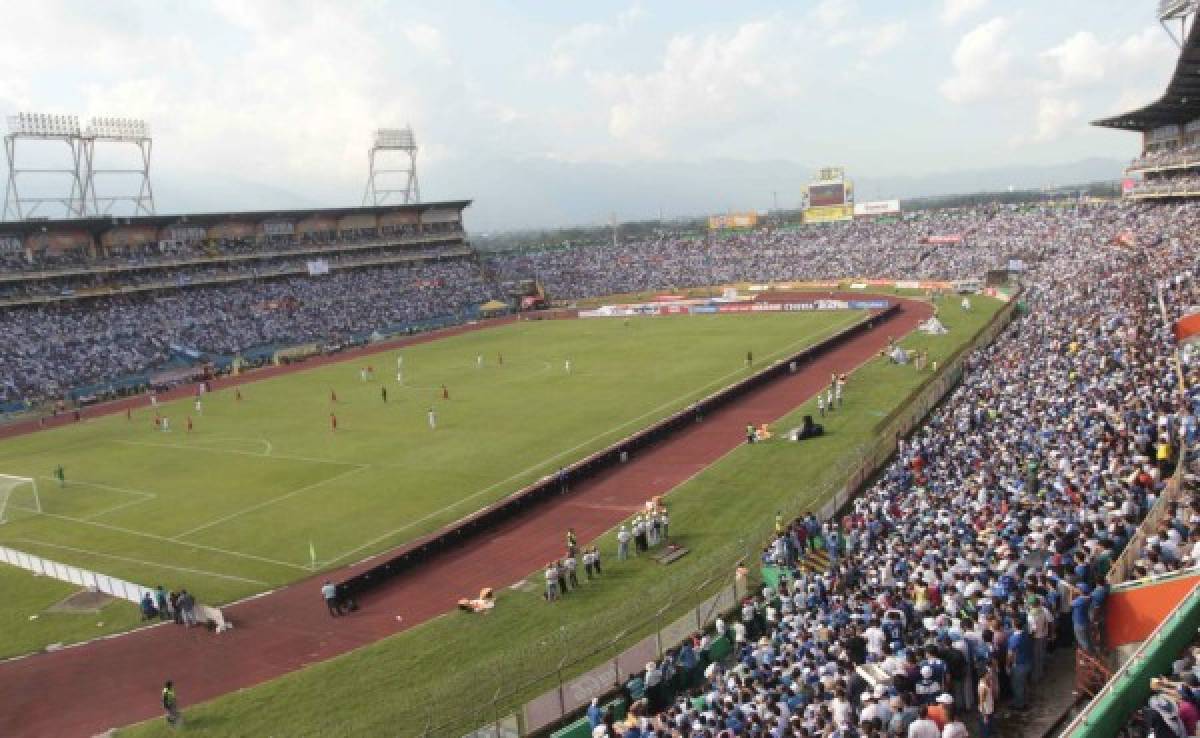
(84, 690)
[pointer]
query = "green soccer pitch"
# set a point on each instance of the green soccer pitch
(230, 508)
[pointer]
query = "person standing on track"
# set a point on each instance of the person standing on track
(330, 594)
(551, 582)
(170, 705)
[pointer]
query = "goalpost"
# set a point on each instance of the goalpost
(18, 493)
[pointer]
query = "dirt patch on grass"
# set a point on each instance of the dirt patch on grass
(83, 601)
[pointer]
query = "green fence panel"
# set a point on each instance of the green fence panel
(1130, 688)
(579, 729)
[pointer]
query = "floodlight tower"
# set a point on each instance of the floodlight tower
(111, 133)
(399, 147)
(29, 127)
(1183, 11)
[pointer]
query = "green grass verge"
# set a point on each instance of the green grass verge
(450, 674)
(28, 625)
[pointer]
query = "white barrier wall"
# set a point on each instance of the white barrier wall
(74, 575)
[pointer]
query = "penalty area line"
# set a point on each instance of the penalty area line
(164, 539)
(272, 501)
(239, 452)
(143, 562)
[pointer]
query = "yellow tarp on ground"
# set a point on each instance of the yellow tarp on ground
(493, 306)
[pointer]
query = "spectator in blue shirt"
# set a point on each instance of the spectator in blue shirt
(1020, 663)
(1081, 607)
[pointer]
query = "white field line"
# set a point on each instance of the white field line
(109, 487)
(239, 452)
(209, 443)
(272, 501)
(139, 494)
(143, 562)
(114, 508)
(545, 462)
(164, 539)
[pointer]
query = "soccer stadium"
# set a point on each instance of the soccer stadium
(858, 469)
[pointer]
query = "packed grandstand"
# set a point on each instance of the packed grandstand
(95, 313)
(1060, 466)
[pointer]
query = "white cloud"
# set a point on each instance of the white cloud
(703, 82)
(566, 48)
(1055, 117)
(426, 38)
(631, 15)
(869, 41)
(833, 13)
(954, 11)
(1078, 61)
(982, 62)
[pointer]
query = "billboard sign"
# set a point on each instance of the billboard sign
(879, 207)
(951, 238)
(829, 214)
(732, 220)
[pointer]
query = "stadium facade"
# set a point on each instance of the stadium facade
(1169, 164)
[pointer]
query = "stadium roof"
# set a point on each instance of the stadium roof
(14, 227)
(1179, 104)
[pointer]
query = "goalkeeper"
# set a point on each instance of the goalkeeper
(61, 475)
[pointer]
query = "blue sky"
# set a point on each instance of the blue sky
(285, 94)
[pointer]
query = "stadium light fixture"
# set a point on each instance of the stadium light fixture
(119, 128)
(395, 138)
(43, 124)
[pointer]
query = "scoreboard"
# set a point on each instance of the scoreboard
(830, 197)
(821, 195)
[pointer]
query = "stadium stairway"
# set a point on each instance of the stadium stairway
(815, 562)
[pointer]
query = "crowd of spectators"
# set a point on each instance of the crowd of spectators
(51, 348)
(1182, 185)
(987, 542)
(985, 238)
(170, 253)
(1182, 156)
(164, 277)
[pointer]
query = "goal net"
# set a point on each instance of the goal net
(18, 497)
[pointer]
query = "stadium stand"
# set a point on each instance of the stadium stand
(92, 307)
(987, 542)
(1169, 165)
